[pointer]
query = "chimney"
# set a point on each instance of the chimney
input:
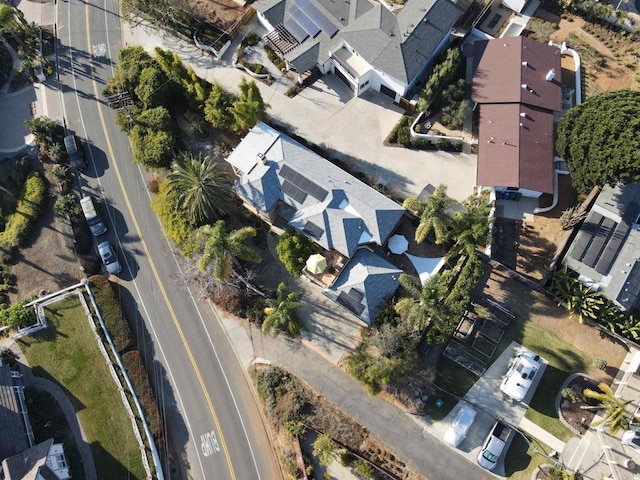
(551, 74)
(261, 158)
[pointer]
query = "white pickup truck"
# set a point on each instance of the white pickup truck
(494, 446)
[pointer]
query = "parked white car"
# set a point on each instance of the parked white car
(520, 375)
(460, 426)
(109, 258)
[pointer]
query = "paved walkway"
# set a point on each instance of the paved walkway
(63, 402)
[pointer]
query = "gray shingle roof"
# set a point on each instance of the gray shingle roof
(13, 438)
(401, 44)
(397, 44)
(349, 212)
(606, 250)
(367, 277)
(26, 464)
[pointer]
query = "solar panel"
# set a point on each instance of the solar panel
(317, 17)
(612, 249)
(580, 245)
(304, 21)
(317, 192)
(312, 229)
(286, 171)
(629, 295)
(350, 303)
(293, 192)
(599, 240)
(296, 30)
(356, 294)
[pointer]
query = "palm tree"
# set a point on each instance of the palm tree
(616, 417)
(422, 304)
(280, 313)
(434, 216)
(203, 189)
(222, 249)
(472, 224)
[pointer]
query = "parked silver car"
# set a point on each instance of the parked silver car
(460, 426)
(109, 258)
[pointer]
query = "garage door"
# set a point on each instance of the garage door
(341, 76)
(387, 91)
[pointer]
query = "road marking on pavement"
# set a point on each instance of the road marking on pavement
(99, 50)
(209, 443)
(152, 265)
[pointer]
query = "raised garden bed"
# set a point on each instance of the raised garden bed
(484, 346)
(491, 331)
(465, 329)
(577, 418)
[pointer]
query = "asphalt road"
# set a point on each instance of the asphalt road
(212, 420)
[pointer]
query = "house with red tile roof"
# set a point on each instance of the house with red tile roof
(517, 89)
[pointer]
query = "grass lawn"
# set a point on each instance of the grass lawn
(68, 354)
(521, 460)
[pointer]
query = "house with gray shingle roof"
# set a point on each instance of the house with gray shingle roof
(364, 285)
(606, 250)
(364, 43)
(44, 461)
(289, 185)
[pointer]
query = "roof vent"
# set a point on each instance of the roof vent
(504, 143)
(522, 124)
(261, 158)
(525, 86)
(551, 74)
(523, 115)
(525, 64)
(491, 140)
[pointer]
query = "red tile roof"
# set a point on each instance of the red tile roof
(510, 155)
(500, 73)
(510, 79)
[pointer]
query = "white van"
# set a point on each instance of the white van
(520, 375)
(96, 225)
(76, 158)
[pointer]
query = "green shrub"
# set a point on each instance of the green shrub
(28, 210)
(18, 315)
(360, 467)
(111, 313)
(274, 58)
(443, 74)
(175, 224)
(140, 382)
(571, 395)
(250, 40)
(293, 250)
(600, 363)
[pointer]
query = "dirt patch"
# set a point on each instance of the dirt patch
(224, 14)
(578, 418)
(615, 74)
(47, 262)
(529, 247)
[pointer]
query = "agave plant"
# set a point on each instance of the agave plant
(585, 303)
(629, 327)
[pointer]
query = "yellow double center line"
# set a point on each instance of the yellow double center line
(148, 255)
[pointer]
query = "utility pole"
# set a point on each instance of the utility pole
(121, 102)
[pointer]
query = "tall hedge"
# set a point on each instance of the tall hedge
(140, 381)
(28, 210)
(174, 222)
(442, 75)
(112, 314)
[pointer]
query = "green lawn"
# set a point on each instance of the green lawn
(68, 354)
(564, 360)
